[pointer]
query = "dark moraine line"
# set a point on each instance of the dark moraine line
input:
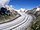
(11, 20)
(20, 24)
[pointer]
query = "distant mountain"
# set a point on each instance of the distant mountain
(36, 11)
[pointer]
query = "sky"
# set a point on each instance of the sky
(27, 4)
(2, 2)
(23, 4)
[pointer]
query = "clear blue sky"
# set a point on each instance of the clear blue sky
(28, 4)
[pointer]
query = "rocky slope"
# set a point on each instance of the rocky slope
(7, 15)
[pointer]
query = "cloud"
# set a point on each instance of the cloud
(3, 2)
(22, 9)
(11, 6)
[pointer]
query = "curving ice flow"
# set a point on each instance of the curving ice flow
(21, 23)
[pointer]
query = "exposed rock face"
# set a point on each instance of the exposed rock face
(37, 13)
(29, 12)
(5, 11)
(34, 11)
